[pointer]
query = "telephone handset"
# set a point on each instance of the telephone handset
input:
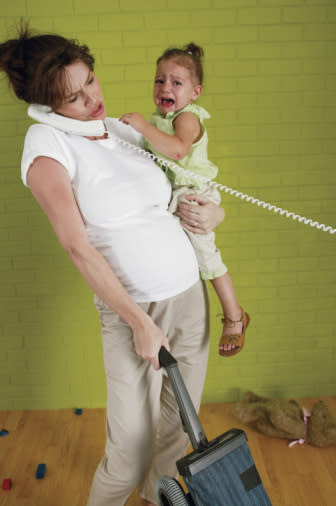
(44, 114)
(93, 128)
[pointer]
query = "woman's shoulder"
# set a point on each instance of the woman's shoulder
(40, 131)
(46, 141)
(39, 127)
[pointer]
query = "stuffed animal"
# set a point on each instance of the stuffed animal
(288, 420)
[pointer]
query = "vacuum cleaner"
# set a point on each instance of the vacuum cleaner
(220, 472)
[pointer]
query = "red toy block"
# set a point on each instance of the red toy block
(7, 484)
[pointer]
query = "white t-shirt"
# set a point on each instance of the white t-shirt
(123, 198)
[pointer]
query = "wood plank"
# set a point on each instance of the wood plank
(72, 445)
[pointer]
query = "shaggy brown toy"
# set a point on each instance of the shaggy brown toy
(284, 419)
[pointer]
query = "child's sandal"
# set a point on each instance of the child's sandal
(237, 340)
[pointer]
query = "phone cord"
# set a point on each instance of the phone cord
(226, 189)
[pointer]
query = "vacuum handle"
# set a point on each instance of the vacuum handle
(165, 358)
(190, 420)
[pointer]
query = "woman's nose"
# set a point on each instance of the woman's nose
(90, 98)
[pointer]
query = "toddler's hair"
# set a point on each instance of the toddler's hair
(189, 56)
(35, 65)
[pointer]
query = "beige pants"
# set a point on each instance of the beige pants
(144, 433)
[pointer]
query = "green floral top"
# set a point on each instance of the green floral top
(196, 160)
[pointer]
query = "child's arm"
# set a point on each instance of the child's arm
(187, 130)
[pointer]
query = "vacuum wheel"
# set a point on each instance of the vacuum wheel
(170, 493)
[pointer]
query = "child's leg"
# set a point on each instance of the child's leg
(233, 321)
(212, 268)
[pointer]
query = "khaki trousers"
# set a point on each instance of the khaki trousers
(143, 425)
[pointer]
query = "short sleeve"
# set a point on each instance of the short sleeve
(43, 140)
(196, 109)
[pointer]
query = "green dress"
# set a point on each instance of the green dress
(196, 160)
(184, 182)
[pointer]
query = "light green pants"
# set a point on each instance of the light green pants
(144, 432)
(208, 256)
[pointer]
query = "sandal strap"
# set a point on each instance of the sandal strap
(231, 323)
(233, 339)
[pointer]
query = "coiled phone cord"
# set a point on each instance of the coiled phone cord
(227, 189)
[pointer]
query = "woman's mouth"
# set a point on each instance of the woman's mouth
(98, 110)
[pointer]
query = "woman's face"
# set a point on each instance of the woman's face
(85, 101)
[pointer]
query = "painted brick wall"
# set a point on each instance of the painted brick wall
(270, 69)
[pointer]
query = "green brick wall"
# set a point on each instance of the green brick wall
(270, 87)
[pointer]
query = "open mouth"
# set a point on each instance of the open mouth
(167, 101)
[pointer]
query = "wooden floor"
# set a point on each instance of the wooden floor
(72, 445)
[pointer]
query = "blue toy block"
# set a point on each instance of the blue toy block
(78, 411)
(40, 471)
(4, 432)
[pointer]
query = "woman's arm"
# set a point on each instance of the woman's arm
(187, 131)
(206, 214)
(50, 184)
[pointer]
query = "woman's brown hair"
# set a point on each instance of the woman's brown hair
(189, 56)
(35, 65)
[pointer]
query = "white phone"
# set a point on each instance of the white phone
(44, 114)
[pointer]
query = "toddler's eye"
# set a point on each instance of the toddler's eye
(158, 81)
(177, 83)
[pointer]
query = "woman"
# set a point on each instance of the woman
(108, 207)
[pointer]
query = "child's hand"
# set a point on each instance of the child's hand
(136, 120)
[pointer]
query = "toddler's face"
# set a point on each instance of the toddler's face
(174, 87)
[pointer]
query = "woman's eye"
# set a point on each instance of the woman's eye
(90, 81)
(177, 83)
(158, 81)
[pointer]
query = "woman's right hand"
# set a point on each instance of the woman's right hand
(148, 341)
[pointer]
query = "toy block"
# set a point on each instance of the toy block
(78, 411)
(7, 484)
(3, 432)
(40, 471)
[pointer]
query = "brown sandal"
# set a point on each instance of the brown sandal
(238, 340)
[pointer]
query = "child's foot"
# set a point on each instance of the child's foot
(233, 336)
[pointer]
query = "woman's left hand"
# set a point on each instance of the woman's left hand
(201, 218)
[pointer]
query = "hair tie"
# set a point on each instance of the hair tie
(189, 52)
